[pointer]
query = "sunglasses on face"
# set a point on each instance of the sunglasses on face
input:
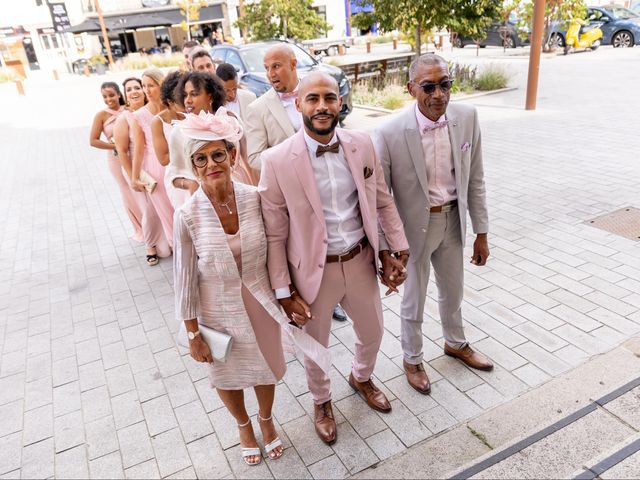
(201, 159)
(429, 88)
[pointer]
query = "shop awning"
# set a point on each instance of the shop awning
(134, 21)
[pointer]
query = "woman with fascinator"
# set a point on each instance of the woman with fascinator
(221, 281)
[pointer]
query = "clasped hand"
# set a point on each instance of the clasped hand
(393, 271)
(296, 309)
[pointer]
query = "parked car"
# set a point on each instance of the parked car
(499, 34)
(251, 72)
(620, 27)
(79, 64)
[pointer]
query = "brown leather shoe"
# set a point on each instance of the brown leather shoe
(325, 423)
(417, 377)
(371, 394)
(469, 356)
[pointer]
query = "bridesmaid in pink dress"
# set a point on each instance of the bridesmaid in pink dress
(124, 133)
(144, 157)
(103, 123)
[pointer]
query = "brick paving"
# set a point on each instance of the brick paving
(93, 385)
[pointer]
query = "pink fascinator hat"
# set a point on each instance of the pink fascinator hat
(198, 130)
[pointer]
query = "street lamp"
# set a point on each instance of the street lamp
(123, 22)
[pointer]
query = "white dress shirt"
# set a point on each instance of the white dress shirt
(233, 107)
(288, 101)
(339, 198)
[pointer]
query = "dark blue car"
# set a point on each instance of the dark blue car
(248, 62)
(620, 27)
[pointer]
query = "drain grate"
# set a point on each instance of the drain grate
(624, 222)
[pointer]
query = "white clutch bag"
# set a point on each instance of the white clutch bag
(219, 343)
(149, 182)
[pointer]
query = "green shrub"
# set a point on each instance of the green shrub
(161, 61)
(493, 77)
(135, 62)
(392, 97)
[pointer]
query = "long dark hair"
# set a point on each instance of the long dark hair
(113, 86)
(132, 79)
(168, 90)
(203, 80)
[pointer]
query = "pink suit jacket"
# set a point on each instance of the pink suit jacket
(292, 209)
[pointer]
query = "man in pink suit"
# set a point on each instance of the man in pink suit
(327, 210)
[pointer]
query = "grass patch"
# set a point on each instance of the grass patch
(392, 97)
(493, 77)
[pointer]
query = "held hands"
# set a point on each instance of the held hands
(296, 309)
(200, 350)
(137, 185)
(480, 250)
(393, 271)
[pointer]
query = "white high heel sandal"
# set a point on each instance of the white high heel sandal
(250, 452)
(274, 444)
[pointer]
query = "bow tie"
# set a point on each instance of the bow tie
(435, 126)
(288, 95)
(334, 148)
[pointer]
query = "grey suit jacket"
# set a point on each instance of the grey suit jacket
(398, 145)
(267, 125)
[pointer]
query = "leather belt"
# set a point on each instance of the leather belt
(447, 207)
(346, 256)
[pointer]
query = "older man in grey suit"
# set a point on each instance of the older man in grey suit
(432, 160)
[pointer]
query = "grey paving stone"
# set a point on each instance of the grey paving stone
(571, 355)
(68, 431)
(329, 468)
(385, 444)
(288, 466)
(120, 380)
(193, 421)
(180, 389)
(485, 396)
(437, 419)
(72, 463)
(531, 375)
(160, 339)
(208, 458)
(101, 437)
(500, 354)
(170, 451)
(135, 444)
(149, 384)
(286, 407)
(455, 371)
(159, 415)
(542, 359)
(12, 388)
(169, 362)
(187, 473)
(626, 407)
(242, 470)
(88, 351)
(582, 340)
(493, 327)
(144, 470)
(38, 393)
(404, 424)
(38, 424)
(107, 467)
(225, 427)
(11, 415)
(352, 450)
(113, 355)
(303, 436)
(126, 409)
(413, 400)
(141, 358)
(208, 396)
(38, 460)
(364, 420)
(10, 452)
(91, 375)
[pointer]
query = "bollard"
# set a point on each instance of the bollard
(368, 46)
(56, 76)
(20, 87)
(395, 43)
(86, 71)
(341, 50)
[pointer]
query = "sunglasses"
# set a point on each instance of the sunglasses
(200, 159)
(429, 88)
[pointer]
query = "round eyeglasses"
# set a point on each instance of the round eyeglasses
(201, 159)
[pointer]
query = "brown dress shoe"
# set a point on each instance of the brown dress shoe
(469, 356)
(417, 377)
(371, 394)
(325, 423)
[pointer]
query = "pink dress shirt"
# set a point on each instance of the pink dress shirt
(439, 160)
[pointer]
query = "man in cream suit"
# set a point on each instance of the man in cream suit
(238, 99)
(326, 208)
(273, 117)
(432, 160)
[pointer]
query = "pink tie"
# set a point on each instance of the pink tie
(288, 95)
(435, 126)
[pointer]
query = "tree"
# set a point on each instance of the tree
(266, 19)
(363, 21)
(464, 16)
(190, 10)
(554, 11)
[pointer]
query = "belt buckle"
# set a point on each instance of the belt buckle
(350, 252)
(447, 207)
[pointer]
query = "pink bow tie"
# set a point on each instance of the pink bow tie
(435, 126)
(288, 95)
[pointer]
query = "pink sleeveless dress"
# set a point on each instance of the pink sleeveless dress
(152, 232)
(126, 194)
(152, 166)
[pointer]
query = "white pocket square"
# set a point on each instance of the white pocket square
(466, 146)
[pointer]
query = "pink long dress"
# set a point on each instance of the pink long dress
(153, 235)
(126, 194)
(152, 166)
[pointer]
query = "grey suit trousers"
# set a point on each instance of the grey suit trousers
(443, 249)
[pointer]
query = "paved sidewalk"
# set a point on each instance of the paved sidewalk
(92, 384)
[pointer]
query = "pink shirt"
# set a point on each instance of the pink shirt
(437, 156)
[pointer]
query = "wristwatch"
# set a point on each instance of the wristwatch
(192, 335)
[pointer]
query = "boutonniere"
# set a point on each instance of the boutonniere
(367, 172)
(466, 146)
